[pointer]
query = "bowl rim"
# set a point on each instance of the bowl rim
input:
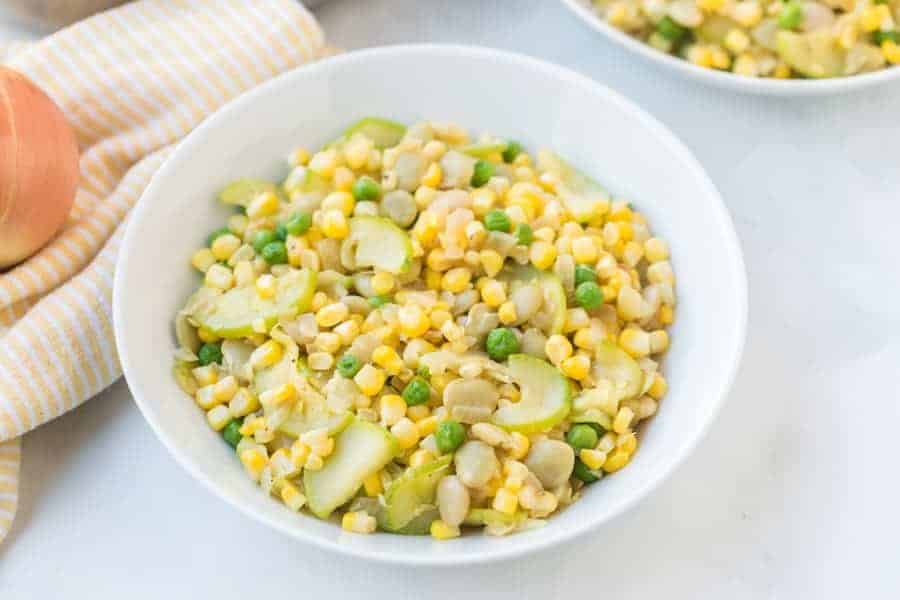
(750, 85)
(720, 213)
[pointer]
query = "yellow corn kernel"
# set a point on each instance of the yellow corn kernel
(656, 250)
(332, 314)
(358, 522)
(263, 205)
(710, 6)
(635, 342)
(218, 417)
(433, 174)
(313, 462)
(433, 280)
(299, 157)
(206, 375)
(251, 425)
(627, 442)
(224, 246)
(747, 13)
(456, 280)
(254, 461)
(324, 163)
(441, 531)
(493, 293)
(437, 260)
(420, 457)
(278, 396)
(343, 179)
(666, 315)
(507, 313)
(372, 485)
(658, 388)
(244, 273)
(334, 224)
(873, 16)
(266, 355)
(890, 49)
(219, 277)
(491, 262)
(577, 367)
(243, 403)
(392, 409)
(266, 286)
(483, 200)
(586, 338)
(413, 320)
(427, 227)
(205, 397)
(291, 496)
(418, 413)
(425, 426)
(594, 459)
(451, 331)
(370, 380)
(439, 317)
(339, 201)
(519, 445)
(299, 453)
(623, 420)
(659, 341)
(583, 250)
(558, 348)
(238, 224)
(320, 361)
(506, 501)
(406, 432)
(745, 65)
(616, 459)
(203, 259)
(542, 254)
(225, 389)
(736, 41)
(382, 283)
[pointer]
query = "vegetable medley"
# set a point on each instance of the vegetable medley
(767, 38)
(422, 332)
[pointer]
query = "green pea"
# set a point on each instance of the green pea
(348, 365)
(210, 353)
(791, 15)
(881, 36)
(379, 301)
(497, 220)
(584, 273)
(423, 371)
(281, 231)
(501, 342)
(263, 238)
(232, 432)
(275, 253)
(298, 224)
(589, 295)
(483, 173)
(582, 436)
(449, 436)
(416, 392)
(582, 472)
(671, 30)
(513, 149)
(216, 234)
(366, 189)
(524, 234)
(598, 428)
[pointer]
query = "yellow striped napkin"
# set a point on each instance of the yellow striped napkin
(132, 82)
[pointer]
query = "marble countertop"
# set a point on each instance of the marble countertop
(794, 493)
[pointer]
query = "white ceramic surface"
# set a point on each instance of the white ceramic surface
(753, 85)
(526, 99)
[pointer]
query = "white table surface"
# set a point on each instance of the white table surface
(793, 495)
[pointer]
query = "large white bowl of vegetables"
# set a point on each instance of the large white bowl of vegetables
(434, 324)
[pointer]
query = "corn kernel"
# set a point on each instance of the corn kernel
(583, 250)
(594, 459)
(439, 317)
(506, 501)
(425, 426)
(627, 442)
(623, 420)
(418, 412)
(437, 260)
(334, 224)
(406, 432)
(206, 375)
(382, 283)
(205, 397)
(483, 200)
(243, 403)
(392, 409)
(225, 389)
(493, 293)
(218, 417)
(456, 280)
(710, 6)
(507, 313)
(577, 367)
(299, 157)
(254, 461)
(299, 454)
(266, 355)
(659, 341)
(586, 338)
(266, 286)
(292, 497)
(891, 51)
(203, 259)
(441, 531)
(263, 205)
(542, 254)
(658, 388)
(370, 380)
(616, 459)
(332, 314)
(219, 277)
(358, 522)
(224, 246)
(244, 273)
(873, 16)
(433, 279)
(278, 396)
(320, 361)
(558, 348)
(433, 174)
(421, 457)
(324, 163)
(635, 342)
(413, 320)
(519, 445)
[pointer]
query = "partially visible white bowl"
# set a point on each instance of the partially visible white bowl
(484, 90)
(752, 85)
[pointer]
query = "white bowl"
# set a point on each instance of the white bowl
(485, 90)
(740, 83)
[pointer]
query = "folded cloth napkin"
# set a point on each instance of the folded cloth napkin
(132, 81)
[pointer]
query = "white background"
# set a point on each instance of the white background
(793, 495)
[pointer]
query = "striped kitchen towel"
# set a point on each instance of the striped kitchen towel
(132, 81)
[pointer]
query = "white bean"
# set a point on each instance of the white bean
(453, 500)
(476, 463)
(551, 461)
